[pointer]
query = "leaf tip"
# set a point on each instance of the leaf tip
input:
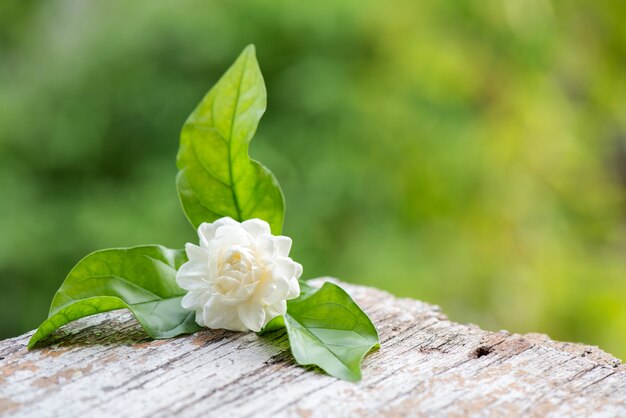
(248, 55)
(249, 49)
(352, 377)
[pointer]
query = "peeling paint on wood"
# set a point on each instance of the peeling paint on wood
(427, 366)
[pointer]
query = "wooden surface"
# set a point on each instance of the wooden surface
(426, 366)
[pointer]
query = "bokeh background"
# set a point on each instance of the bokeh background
(471, 154)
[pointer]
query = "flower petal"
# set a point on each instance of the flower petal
(252, 315)
(231, 235)
(294, 289)
(256, 227)
(199, 318)
(225, 284)
(192, 276)
(264, 247)
(206, 230)
(282, 246)
(298, 270)
(285, 266)
(219, 316)
(195, 253)
(274, 310)
(193, 299)
(274, 291)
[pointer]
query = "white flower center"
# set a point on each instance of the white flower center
(238, 259)
(239, 273)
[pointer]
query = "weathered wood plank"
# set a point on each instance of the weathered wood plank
(427, 365)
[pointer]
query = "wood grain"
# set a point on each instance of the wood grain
(427, 366)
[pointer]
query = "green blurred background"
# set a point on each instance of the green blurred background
(471, 154)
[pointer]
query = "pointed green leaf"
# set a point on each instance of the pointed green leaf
(142, 279)
(216, 176)
(328, 329)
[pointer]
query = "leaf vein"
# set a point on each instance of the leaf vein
(230, 139)
(306, 330)
(207, 169)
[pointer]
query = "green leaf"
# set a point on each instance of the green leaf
(216, 176)
(142, 279)
(328, 329)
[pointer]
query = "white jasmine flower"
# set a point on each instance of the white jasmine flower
(240, 277)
